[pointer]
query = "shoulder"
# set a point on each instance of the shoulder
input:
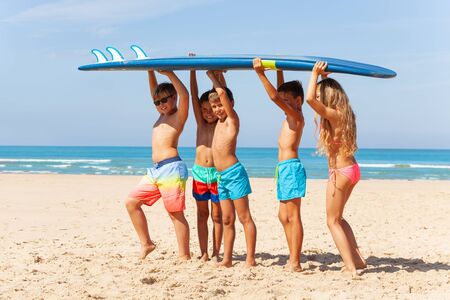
(234, 119)
(173, 118)
(298, 120)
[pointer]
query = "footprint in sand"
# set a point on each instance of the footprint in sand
(148, 280)
(154, 270)
(210, 275)
(38, 259)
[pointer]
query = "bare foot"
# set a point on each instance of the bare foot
(296, 267)
(146, 250)
(184, 258)
(204, 257)
(225, 264)
(215, 258)
(355, 275)
(250, 263)
(287, 265)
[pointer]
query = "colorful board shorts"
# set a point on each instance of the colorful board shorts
(167, 179)
(204, 185)
(291, 179)
(234, 183)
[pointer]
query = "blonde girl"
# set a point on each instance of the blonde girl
(337, 139)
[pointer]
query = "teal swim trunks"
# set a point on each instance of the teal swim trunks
(234, 183)
(291, 179)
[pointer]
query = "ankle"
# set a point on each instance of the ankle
(147, 244)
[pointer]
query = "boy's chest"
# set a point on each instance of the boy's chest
(224, 134)
(164, 129)
(290, 126)
(206, 135)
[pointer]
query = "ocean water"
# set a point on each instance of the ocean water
(259, 162)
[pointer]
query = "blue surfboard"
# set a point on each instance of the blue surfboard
(229, 62)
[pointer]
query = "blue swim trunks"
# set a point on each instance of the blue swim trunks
(291, 179)
(234, 183)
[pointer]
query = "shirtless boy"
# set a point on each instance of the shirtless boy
(234, 185)
(204, 183)
(290, 174)
(167, 178)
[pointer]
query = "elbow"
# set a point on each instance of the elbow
(220, 91)
(273, 95)
(184, 99)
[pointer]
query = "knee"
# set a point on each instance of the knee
(178, 217)
(293, 218)
(228, 220)
(216, 217)
(283, 218)
(245, 218)
(333, 221)
(131, 204)
(202, 215)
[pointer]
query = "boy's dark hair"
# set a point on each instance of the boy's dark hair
(214, 94)
(229, 94)
(164, 88)
(294, 87)
(204, 97)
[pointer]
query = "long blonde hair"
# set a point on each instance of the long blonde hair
(333, 95)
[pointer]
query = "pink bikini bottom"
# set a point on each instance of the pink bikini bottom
(352, 172)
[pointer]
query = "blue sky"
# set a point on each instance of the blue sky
(45, 100)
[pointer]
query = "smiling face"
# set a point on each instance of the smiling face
(217, 108)
(165, 103)
(207, 112)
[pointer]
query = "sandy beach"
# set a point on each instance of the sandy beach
(69, 236)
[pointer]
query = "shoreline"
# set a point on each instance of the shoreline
(69, 236)
(190, 177)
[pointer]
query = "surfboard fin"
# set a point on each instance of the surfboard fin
(140, 54)
(101, 58)
(115, 54)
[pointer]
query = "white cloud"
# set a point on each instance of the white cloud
(95, 11)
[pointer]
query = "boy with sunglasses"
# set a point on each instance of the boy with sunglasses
(167, 178)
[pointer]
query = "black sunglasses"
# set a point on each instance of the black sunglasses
(162, 100)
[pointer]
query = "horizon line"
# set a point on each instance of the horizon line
(242, 147)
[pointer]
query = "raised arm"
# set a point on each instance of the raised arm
(272, 92)
(316, 105)
(221, 78)
(226, 102)
(280, 78)
(183, 94)
(153, 83)
(195, 100)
